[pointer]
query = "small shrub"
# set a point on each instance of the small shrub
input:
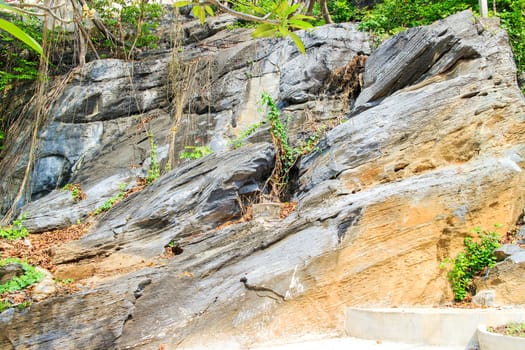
(474, 259)
(77, 194)
(512, 15)
(4, 305)
(285, 155)
(133, 22)
(343, 11)
(30, 276)
(15, 231)
(195, 152)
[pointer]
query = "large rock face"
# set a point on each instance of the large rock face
(426, 154)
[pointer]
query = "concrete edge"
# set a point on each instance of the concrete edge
(428, 326)
(493, 341)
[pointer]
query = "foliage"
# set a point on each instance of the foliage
(16, 31)
(278, 19)
(512, 15)
(239, 141)
(195, 152)
(112, 201)
(154, 168)
(288, 19)
(393, 16)
(254, 9)
(15, 231)
(4, 305)
(29, 277)
(474, 259)
(16, 62)
(285, 155)
(132, 21)
(343, 11)
(77, 193)
(310, 144)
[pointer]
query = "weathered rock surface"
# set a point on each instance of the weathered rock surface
(387, 196)
(506, 279)
(102, 119)
(507, 250)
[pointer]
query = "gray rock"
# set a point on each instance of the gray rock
(9, 271)
(507, 250)
(485, 298)
(428, 51)
(185, 202)
(517, 258)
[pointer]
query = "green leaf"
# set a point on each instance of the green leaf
(300, 16)
(300, 24)
(264, 30)
(280, 11)
(182, 3)
(298, 42)
(199, 13)
(291, 9)
(20, 35)
(257, 9)
(208, 10)
(283, 29)
(6, 8)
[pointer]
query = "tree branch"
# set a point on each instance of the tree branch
(241, 15)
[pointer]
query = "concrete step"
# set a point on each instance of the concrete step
(426, 326)
(349, 343)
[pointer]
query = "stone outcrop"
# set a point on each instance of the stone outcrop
(424, 156)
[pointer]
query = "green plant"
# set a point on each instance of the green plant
(310, 144)
(512, 13)
(195, 152)
(16, 62)
(132, 21)
(112, 201)
(285, 154)
(239, 141)
(23, 305)
(77, 193)
(343, 11)
(17, 32)
(15, 231)
(4, 305)
(64, 281)
(476, 257)
(30, 276)
(279, 21)
(154, 168)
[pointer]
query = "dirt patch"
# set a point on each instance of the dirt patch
(35, 248)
